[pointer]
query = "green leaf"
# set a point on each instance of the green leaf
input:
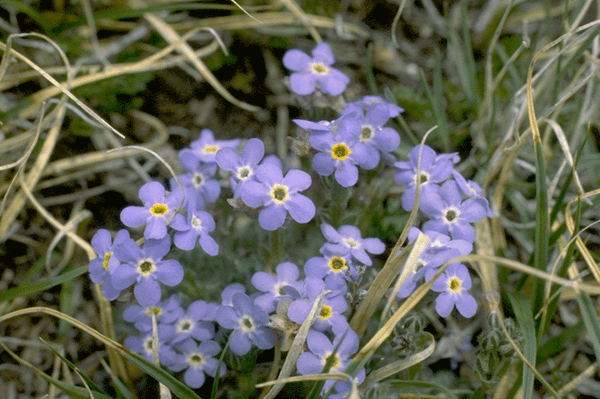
(542, 228)
(522, 309)
(42, 285)
(176, 387)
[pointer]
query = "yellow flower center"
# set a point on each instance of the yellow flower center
(335, 359)
(279, 193)
(325, 312)
(154, 309)
(210, 149)
(340, 151)
(159, 209)
(319, 68)
(337, 264)
(106, 259)
(454, 285)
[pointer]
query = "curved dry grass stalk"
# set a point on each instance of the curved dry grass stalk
(235, 22)
(317, 377)
(289, 365)
(399, 365)
(171, 36)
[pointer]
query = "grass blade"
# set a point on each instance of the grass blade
(522, 309)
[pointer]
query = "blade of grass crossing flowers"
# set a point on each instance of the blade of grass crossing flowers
(522, 309)
(297, 346)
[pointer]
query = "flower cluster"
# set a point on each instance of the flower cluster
(358, 138)
(452, 204)
(190, 338)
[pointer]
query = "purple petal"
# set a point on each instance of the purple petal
(147, 291)
(323, 53)
(194, 377)
(209, 245)
(303, 83)
(301, 208)
(297, 180)
(466, 305)
(308, 363)
(240, 343)
(134, 216)
(253, 151)
(346, 174)
(227, 158)
(152, 192)
(124, 276)
(296, 60)
(169, 272)
(444, 304)
(254, 194)
(263, 281)
(323, 164)
(272, 217)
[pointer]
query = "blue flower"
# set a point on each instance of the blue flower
(330, 316)
(376, 138)
(321, 350)
(278, 196)
(166, 312)
(272, 286)
(101, 267)
(450, 214)
(453, 285)
(340, 152)
(157, 209)
(194, 323)
(434, 169)
(331, 267)
(206, 147)
(347, 240)
(249, 325)
(197, 360)
(193, 229)
(310, 72)
(198, 184)
(145, 268)
(367, 101)
(241, 166)
(143, 345)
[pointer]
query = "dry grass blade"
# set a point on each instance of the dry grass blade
(171, 36)
(9, 51)
(18, 202)
(399, 365)
(297, 348)
(317, 377)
